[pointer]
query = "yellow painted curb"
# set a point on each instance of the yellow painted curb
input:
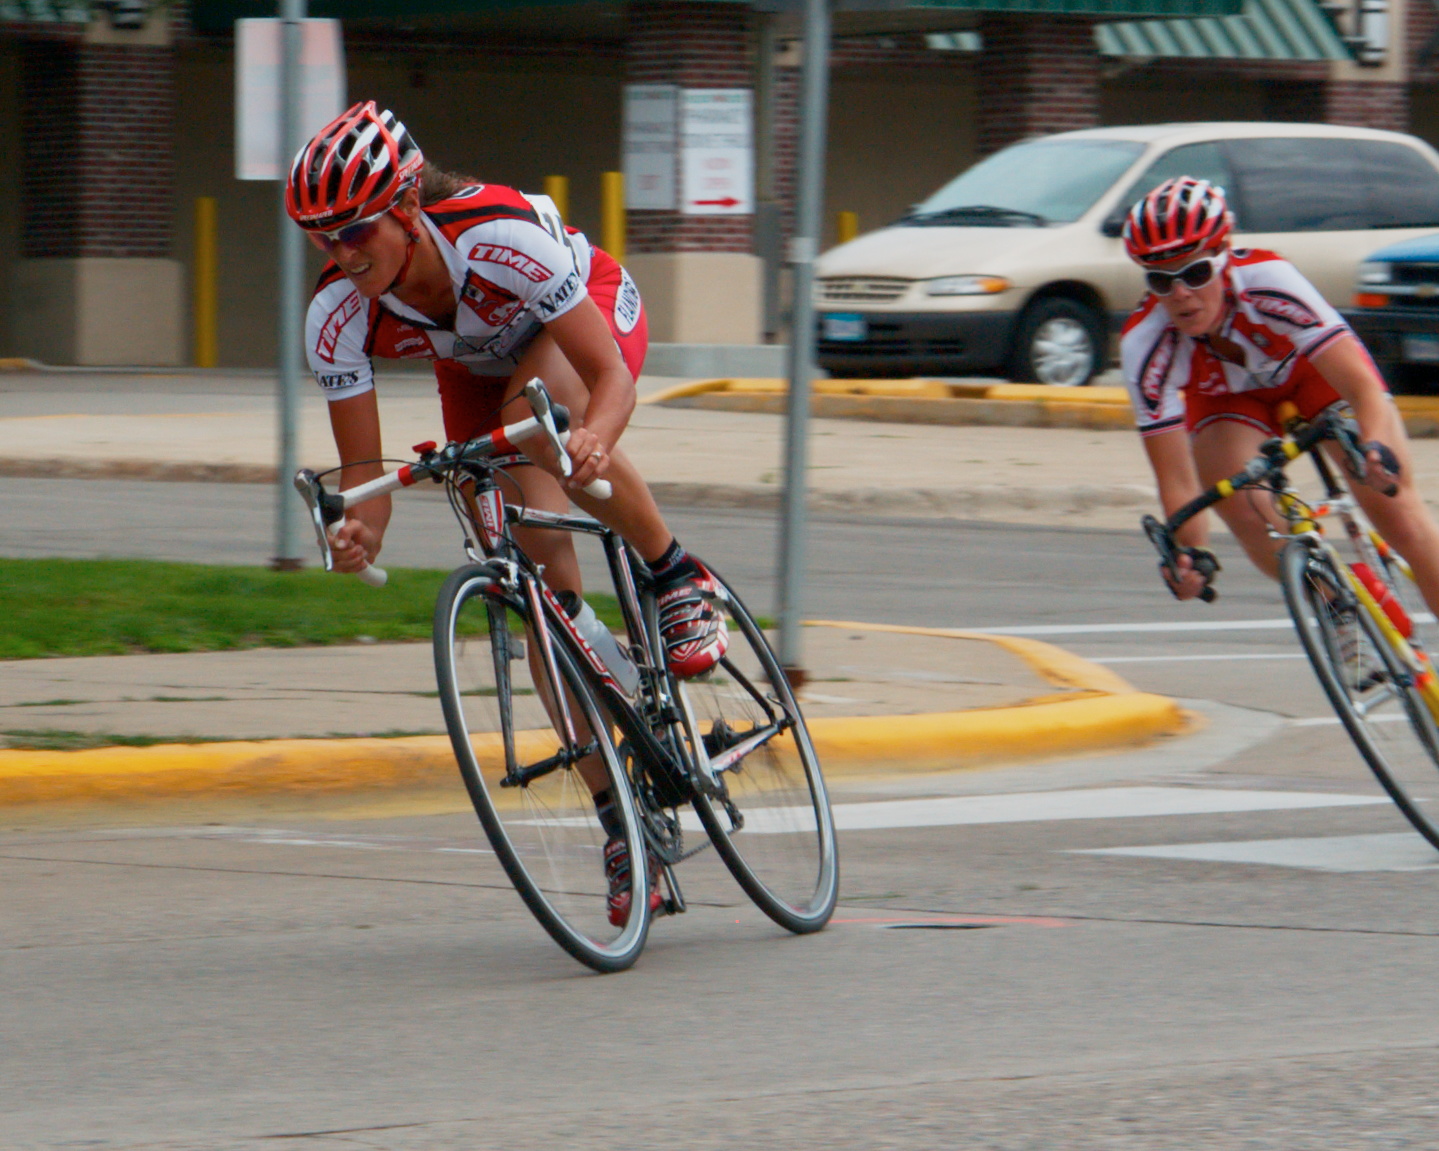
(944, 402)
(1103, 711)
(996, 735)
(1098, 710)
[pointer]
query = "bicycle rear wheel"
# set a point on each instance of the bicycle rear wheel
(1371, 689)
(770, 820)
(527, 783)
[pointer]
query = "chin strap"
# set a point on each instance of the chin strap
(413, 232)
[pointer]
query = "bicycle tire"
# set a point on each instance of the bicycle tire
(545, 833)
(1369, 687)
(771, 821)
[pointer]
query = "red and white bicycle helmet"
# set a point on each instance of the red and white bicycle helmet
(1180, 217)
(356, 167)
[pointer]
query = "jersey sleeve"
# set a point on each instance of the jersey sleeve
(528, 261)
(1153, 358)
(1290, 304)
(335, 329)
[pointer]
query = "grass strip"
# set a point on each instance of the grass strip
(55, 607)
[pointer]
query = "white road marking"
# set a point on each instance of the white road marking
(1394, 851)
(1331, 720)
(1193, 658)
(1044, 806)
(1188, 625)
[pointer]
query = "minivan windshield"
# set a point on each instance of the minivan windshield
(1029, 185)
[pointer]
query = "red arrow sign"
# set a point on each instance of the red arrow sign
(727, 202)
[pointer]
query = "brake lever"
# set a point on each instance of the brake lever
(539, 400)
(316, 499)
(1356, 454)
(544, 410)
(1169, 558)
(327, 510)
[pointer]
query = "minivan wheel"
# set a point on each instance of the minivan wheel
(1059, 342)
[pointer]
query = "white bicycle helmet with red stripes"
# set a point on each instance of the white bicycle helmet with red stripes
(357, 167)
(1176, 219)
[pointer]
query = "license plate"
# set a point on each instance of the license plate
(841, 327)
(1421, 349)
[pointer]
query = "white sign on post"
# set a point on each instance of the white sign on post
(257, 91)
(717, 152)
(651, 124)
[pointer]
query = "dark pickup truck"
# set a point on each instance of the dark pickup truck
(1396, 312)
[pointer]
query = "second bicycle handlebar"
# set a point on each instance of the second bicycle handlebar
(1274, 455)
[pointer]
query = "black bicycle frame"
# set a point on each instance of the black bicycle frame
(493, 522)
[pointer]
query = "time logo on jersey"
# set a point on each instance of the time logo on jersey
(334, 324)
(527, 266)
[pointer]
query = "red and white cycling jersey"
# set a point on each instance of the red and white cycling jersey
(1276, 317)
(514, 266)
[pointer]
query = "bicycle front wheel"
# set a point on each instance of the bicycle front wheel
(1372, 690)
(532, 789)
(770, 817)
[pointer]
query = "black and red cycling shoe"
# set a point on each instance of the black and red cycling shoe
(617, 871)
(694, 633)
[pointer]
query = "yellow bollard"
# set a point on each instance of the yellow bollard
(206, 274)
(612, 214)
(847, 226)
(557, 188)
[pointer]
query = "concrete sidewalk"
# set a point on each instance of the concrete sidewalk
(325, 720)
(906, 699)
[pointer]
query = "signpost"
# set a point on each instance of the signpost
(289, 83)
(809, 202)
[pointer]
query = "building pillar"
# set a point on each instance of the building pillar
(699, 277)
(1366, 104)
(1037, 74)
(95, 283)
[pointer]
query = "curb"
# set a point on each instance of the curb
(925, 401)
(1097, 711)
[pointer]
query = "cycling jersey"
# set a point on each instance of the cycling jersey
(1277, 319)
(514, 266)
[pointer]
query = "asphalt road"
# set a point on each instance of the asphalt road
(1226, 941)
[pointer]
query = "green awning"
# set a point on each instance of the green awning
(1174, 8)
(218, 15)
(44, 12)
(1263, 30)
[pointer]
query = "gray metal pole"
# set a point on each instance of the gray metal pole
(809, 207)
(292, 274)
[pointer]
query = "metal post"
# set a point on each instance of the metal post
(814, 97)
(292, 273)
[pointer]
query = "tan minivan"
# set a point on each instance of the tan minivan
(1015, 266)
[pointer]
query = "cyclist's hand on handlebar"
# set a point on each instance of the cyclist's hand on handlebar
(590, 456)
(355, 546)
(1192, 573)
(1381, 468)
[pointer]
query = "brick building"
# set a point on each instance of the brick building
(108, 134)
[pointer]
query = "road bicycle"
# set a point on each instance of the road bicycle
(546, 710)
(1355, 605)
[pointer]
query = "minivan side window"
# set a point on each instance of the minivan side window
(1204, 161)
(1300, 184)
(1403, 185)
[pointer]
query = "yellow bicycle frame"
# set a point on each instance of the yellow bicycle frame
(1304, 520)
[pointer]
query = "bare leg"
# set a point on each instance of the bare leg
(1220, 450)
(631, 511)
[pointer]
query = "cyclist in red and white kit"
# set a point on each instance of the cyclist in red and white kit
(489, 284)
(1223, 338)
